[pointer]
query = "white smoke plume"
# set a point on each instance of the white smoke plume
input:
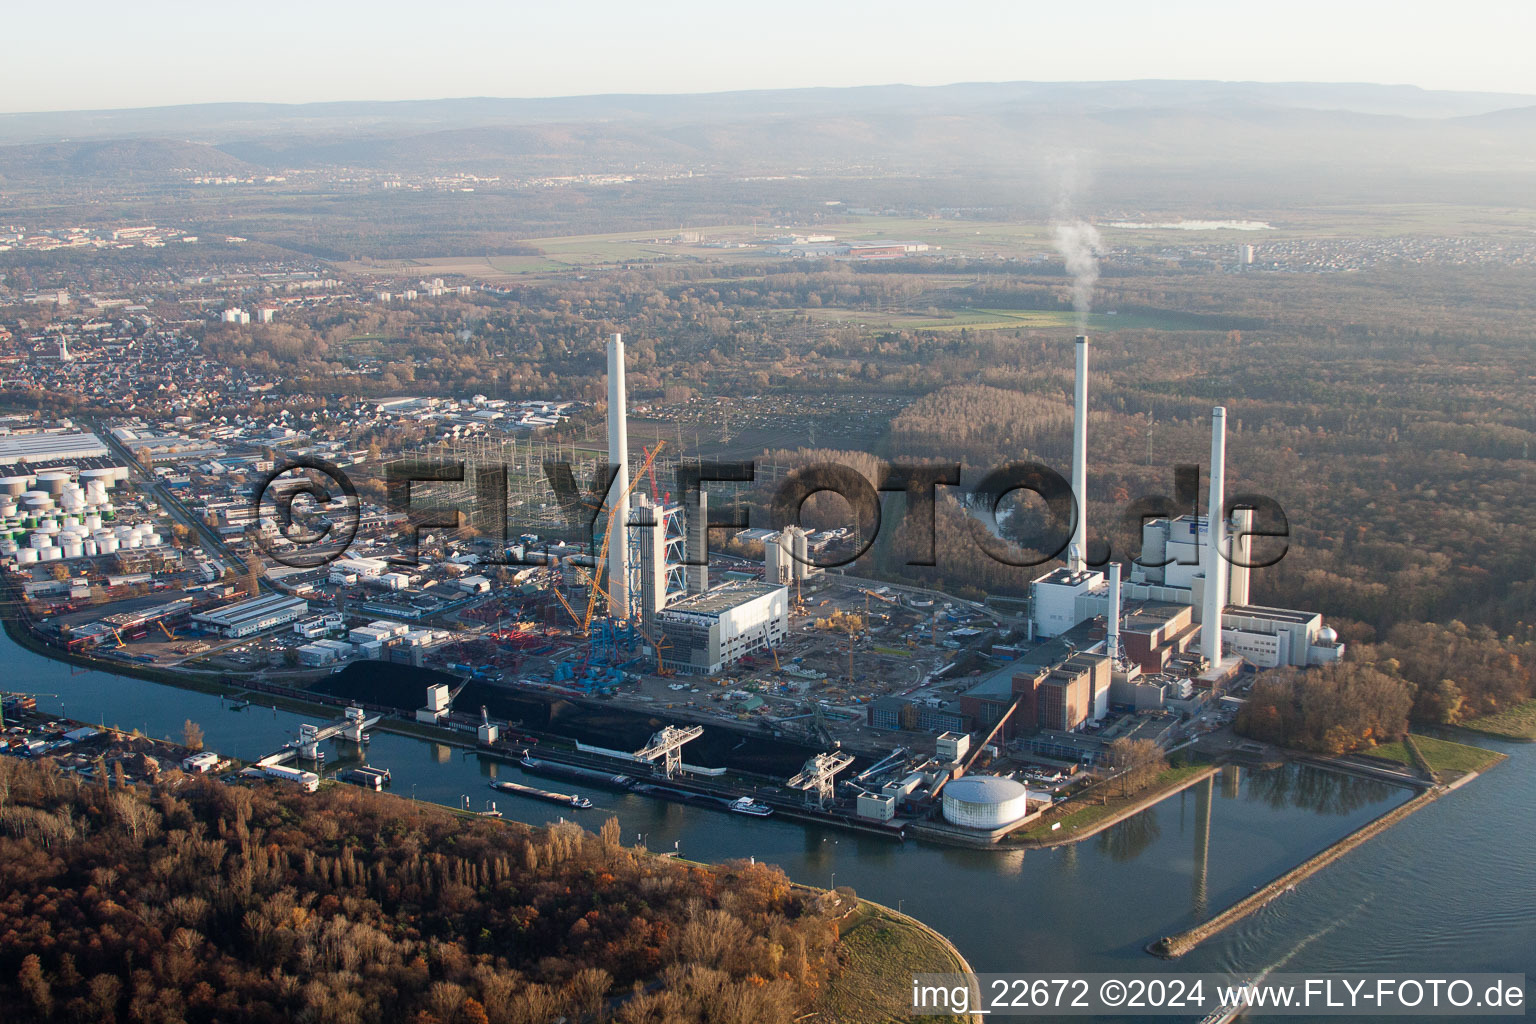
(1080, 247)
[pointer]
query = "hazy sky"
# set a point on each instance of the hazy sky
(98, 53)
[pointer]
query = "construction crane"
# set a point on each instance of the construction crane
(818, 777)
(554, 588)
(667, 746)
(599, 566)
(656, 495)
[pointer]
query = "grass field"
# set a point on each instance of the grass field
(1442, 755)
(999, 320)
(1086, 817)
(1516, 723)
(981, 239)
(880, 953)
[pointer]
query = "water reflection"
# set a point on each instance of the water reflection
(1131, 837)
(1316, 790)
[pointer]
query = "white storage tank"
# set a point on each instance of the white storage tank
(93, 522)
(26, 556)
(15, 486)
(88, 546)
(984, 802)
(73, 547)
(105, 476)
(106, 545)
(48, 554)
(53, 482)
(39, 540)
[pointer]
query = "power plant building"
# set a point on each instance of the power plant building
(787, 557)
(703, 633)
(1198, 562)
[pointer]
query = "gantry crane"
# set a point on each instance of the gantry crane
(818, 777)
(667, 746)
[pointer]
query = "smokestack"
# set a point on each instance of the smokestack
(1077, 550)
(1242, 546)
(1112, 640)
(618, 455)
(1215, 565)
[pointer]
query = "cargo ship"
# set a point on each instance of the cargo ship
(575, 773)
(580, 803)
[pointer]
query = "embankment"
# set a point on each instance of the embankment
(1172, 946)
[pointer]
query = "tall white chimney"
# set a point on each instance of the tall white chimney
(1077, 550)
(1112, 639)
(618, 495)
(1215, 564)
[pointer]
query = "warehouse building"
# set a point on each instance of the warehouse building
(703, 633)
(244, 618)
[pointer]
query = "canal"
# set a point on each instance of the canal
(1452, 888)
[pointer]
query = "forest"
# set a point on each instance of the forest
(200, 901)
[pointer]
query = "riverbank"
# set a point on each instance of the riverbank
(1516, 723)
(1087, 822)
(880, 949)
(1171, 947)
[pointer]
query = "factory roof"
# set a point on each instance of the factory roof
(1277, 614)
(723, 598)
(1061, 576)
(245, 611)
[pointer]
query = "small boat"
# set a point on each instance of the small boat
(746, 805)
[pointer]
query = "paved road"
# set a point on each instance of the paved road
(210, 539)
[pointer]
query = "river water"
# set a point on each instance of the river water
(1451, 888)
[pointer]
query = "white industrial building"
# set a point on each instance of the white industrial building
(787, 558)
(244, 618)
(1183, 561)
(703, 633)
(50, 446)
(984, 802)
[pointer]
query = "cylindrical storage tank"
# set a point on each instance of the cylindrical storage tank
(73, 548)
(154, 540)
(96, 493)
(122, 531)
(88, 546)
(15, 486)
(26, 556)
(106, 476)
(39, 540)
(93, 522)
(48, 554)
(53, 483)
(106, 545)
(133, 540)
(37, 501)
(7, 546)
(984, 802)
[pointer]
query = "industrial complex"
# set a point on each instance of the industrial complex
(915, 712)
